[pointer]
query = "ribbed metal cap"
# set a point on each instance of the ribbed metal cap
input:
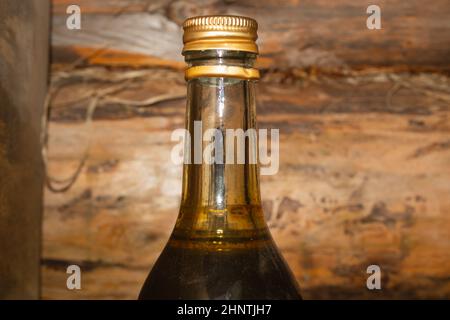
(220, 32)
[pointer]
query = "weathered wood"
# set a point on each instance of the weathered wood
(361, 182)
(24, 27)
(293, 34)
(365, 157)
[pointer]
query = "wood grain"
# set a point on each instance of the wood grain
(364, 118)
(331, 37)
(23, 73)
(360, 182)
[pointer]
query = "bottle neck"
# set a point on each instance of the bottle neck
(221, 196)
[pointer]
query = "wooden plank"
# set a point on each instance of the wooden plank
(23, 73)
(361, 182)
(293, 34)
(108, 6)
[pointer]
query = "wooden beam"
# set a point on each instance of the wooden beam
(292, 34)
(361, 182)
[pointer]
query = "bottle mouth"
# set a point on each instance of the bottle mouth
(220, 32)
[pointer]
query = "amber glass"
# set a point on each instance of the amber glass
(220, 247)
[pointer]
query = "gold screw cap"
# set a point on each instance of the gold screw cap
(220, 32)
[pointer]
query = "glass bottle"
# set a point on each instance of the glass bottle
(221, 247)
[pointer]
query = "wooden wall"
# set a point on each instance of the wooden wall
(365, 145)
(24, 40)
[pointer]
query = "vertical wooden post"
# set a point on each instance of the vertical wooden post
(24, 30)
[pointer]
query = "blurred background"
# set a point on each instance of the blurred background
(364, 143)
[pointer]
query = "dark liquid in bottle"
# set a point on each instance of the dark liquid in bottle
(247, 270)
